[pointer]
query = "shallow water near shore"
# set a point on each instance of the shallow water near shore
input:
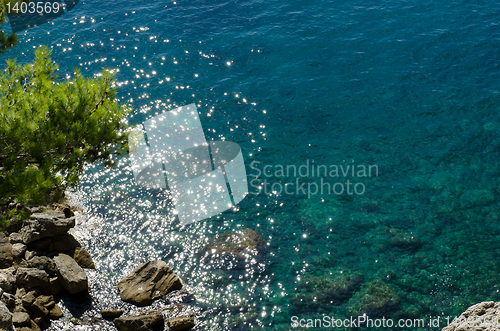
(411, 87)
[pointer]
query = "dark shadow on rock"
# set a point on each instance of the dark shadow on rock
(77, 304)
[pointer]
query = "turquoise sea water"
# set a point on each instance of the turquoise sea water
(412, 87)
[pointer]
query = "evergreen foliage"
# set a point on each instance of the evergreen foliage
(49, 130)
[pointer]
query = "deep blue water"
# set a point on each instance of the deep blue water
(409, 86)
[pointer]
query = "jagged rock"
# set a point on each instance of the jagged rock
(181, 323)
(5, 317)
(149, 281)
(43, 263)
(8, 299)
(32, 277)
(64, 243)
(15, 237)
(18, 250)
(56, 312)
(21, 319)
(33, 327)
(235, 249)
(483, 316)
(39, 322)
(72, 277)
(18, 307)
(142, 322)
(83, 258)
(48, 224)
(64, 207)
(404, 240)
(111, 313)
(30, 254)
(321, 291)
(374, 299)
(20, 292)
(42, 305)
(39, 310)
(28, 299)
(7, 279)
(76, 321)
(6, 257)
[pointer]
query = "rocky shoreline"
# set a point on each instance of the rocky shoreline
(40, 262)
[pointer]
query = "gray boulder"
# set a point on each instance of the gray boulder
(5, 317)
(6, 257)
(181, 323)
(43, 263)
(15, 238)
(18, 250)
(83, 258)
(72, 277)
(48, 224)
(483, 316)
(32, 277)
(148, 282)
(7, 279)
(142, 322)
(21, 319)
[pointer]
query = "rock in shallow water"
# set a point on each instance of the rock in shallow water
(181, 323)
(148, 282)
(375, 299)
(314, 292)
(72, 277)
(111, 313)
(235, 249)
(142, 322)
(83, 258)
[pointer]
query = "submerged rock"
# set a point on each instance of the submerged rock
(326, 290)
(143, 322)
(374, 299)
(404, 240)
(181, 323)
(149, 281)
(72, 277)
(234, 250)
(237, 243)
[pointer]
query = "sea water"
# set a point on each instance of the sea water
(411, 87)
